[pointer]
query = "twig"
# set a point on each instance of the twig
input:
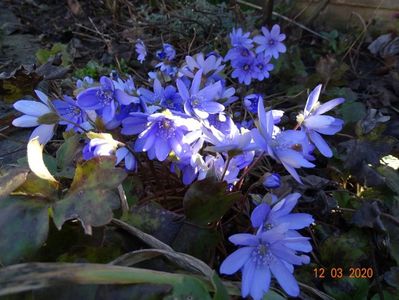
(284, 18)
(124, 203)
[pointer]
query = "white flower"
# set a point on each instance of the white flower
(33, 111)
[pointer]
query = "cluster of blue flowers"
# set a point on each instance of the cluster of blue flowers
(182, 117)
(249, 63)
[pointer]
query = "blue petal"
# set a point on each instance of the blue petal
(284, 277)
(247, 278)
(312, 99)
(259, 215)
(244, 239)
(297, 220)
(195, 85)
(88, 99)
(328, 106)
(320, 143)
(236, 260)
(162, 149)
(293, 158)
(261, 283)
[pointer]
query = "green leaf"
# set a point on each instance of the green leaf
(11, 180)
(391, 177)
(66, 155)
(350, 247)
(352, 111)
(196, 241)
(220, 289)
(24, 228)
(348, 288)
(90, 197)
(33, 276)
(38, 187)
(272, 295)
(207, 201)
(190, 288)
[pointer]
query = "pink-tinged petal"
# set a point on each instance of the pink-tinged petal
(312, 99)
(44, 132)
(320, 144)
(25, 121)
(235, 260)
(329, 105)
(284, 277)
(247, 278)
(244, 239)
(31, 108)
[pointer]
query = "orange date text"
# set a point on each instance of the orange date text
(337, 273)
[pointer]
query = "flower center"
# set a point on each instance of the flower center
(166, 128)
(246, 67)
(105, 96)
(272, 42)
(244, 52)
(261, 255)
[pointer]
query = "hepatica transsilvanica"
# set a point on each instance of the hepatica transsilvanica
(184, 119)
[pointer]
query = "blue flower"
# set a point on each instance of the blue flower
(272, 181)
(314, 123)
(99, 147)
(198, 102)
(290, 147)
(167, 52)
(262, 67)
(33, 111)
(164, 132)
(123, 153)
(166, 97)
(237, 54)
(270, 43)
(104, 99)
(71, 114)
(236, 140)
(244, 70)
(141, 51)
(271, 252)
(251, 102)
(209, 66)
(239, 38)
(265, 217)
(85, 83)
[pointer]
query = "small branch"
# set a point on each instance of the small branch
(284, 18)
(122, 196)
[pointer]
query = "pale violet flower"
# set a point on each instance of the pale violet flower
(34, 112)
(314, 123)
